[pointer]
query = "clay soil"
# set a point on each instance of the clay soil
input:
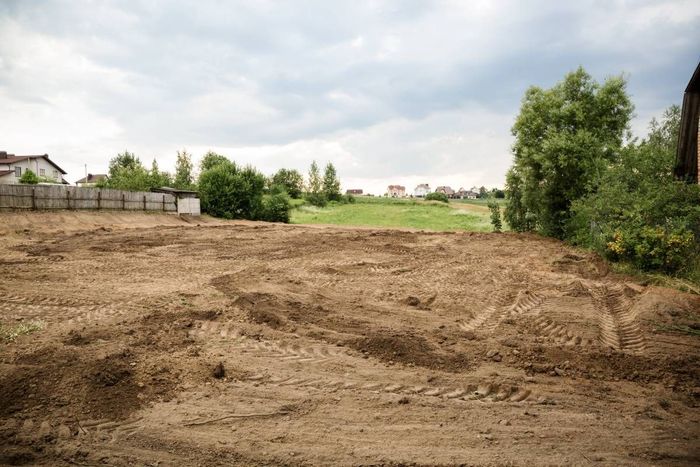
(175, 342)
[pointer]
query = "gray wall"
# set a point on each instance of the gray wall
(69, 197)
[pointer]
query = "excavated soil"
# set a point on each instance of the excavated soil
(198, 342)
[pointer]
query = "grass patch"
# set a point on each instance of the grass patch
(679, 328)
(10, 333)
(391, 212)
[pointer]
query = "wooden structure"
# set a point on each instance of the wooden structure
(40, 197)
(687, 160)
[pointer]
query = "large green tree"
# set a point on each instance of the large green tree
(210, 160)
(565, 137)
(126, 172)
(158, 178)
(640, 213)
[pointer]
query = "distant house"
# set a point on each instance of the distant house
(421, 190)
(688, 151)
(354, 191)
(466, 194)
(12, 168)
(91, 180)
(396, 191)
(446, 190)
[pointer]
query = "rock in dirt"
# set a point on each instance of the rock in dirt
(219, 371)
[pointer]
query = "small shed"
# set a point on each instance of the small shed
(687, 155)
(187, 201)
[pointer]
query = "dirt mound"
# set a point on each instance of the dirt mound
(410, 350)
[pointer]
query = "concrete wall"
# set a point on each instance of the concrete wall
(68, 197)
(188, 206)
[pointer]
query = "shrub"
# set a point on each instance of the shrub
(229, 192)
(350, 199)
(495, 209)
(316, 199)
(435, 196)
(29, 178)
(275, 208)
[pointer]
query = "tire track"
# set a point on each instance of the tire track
(618, 327)
(483, 391)
(560, 333)
(282, 351)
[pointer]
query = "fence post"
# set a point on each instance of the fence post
(163, 202)
(144, 202)
(34, 199)
(99, 199)
(67, 199)
(123, 202)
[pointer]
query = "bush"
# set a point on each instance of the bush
(435, 196)
(640, 214)
(229, 192)
(350, 199)
(275, 208)
(29, 178)
(495, 209)
(316, 199)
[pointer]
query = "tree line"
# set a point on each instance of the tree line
(579, 175)
(227, 189)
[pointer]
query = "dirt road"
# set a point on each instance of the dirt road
(209, 343)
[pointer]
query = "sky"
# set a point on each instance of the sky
(391, 92)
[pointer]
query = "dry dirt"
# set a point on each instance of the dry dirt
(171, 342)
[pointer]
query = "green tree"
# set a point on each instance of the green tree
(126, 172)
(640, 213)
(227, 191)
(314, 193)
(156, 178)
(29, 178)
(331, 184)
(184, 177)
(483, 193)
(291, 180)
(565, 137)
(437, 196)
(210, 160)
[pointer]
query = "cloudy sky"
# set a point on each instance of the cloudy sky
(402, 91)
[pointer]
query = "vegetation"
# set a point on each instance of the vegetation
(275, 208)
(210, 160)
(495, 209)
(126, 172)
(184, 175)
(291, 180)
(314, 194)
(331, 184)
(436, 196)
(12, 332)
(565, 137)
(29, 178)
(391, 212)
(575, 178)
(640, 213)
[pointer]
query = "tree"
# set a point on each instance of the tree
(565, 137)
(331, 184)
(29, 178)
(156, 178)
(483, 193)
(640, 213)
(184, 178)
(210, 160)
(126, 172)
(314, 185)
(314, 193)
(495, 209)
(227, 191)
(291, 180)
(437, 196)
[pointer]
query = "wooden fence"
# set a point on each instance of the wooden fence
(69, 197)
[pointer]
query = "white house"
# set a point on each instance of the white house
(421, 190)
(13, 167)
(396, 191)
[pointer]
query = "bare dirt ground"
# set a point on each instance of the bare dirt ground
(210, 343)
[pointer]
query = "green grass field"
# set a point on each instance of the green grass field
(386, 212)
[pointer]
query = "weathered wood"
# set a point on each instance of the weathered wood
(40, 197)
